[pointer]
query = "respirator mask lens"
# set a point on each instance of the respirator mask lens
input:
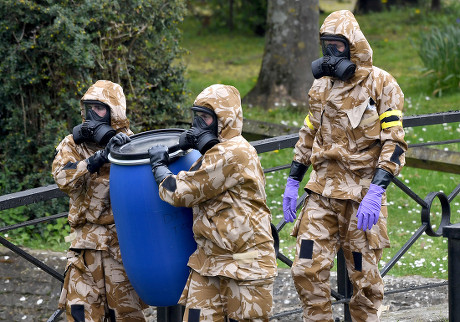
(204, 118)
(335, 47)
(97, 111)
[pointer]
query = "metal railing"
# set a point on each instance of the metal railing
(344, 290)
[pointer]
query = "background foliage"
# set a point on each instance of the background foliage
(440, 54)
(51, 51)
(230, 15)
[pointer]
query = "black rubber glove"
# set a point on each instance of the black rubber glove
(382, 178)
(297, 171)
(159, 160)
(118, 139)
(98, 159)
(186, 140)
(198, 139)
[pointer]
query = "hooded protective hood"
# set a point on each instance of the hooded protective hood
(111, 94)
(344, 23)
(225, 101)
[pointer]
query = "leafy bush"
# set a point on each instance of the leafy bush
(52, 51)
(51, 233)
(440, 54)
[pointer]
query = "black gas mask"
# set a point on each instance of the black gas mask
(201, 136)
(95, 128)
(335, 62)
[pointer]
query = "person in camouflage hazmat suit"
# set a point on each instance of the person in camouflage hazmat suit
(96, 287)
(354, 139)
(234, 265)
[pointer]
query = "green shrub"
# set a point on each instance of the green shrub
(51, 233)
(52, 51)
(440, 54)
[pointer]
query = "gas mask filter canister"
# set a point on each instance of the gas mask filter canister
(95, 128)
(334, 63)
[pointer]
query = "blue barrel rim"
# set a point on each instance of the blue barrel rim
(117, 156)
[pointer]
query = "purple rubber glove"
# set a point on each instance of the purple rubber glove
(369, 209)
(290, 199)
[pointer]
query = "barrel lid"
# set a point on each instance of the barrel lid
(140, 143)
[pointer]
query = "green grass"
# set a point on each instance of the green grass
(235, 59)
(220, 59)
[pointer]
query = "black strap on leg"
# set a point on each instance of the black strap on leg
(194, 315)
(77, 311)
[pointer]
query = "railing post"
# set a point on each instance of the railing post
(452, 232)
(343, 283)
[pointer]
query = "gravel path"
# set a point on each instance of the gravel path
(29, 294)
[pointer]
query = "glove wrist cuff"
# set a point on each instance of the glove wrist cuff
(160, 172)
(376, 189)
(292, 181)
(382, 178)
(297, 171)
(96, 161)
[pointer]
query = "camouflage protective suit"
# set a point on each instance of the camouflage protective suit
(96, 287)
(353, 127)
(234, 265)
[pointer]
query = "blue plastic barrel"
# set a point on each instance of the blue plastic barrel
(156, 239)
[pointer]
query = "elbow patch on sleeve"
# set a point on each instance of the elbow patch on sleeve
(396, 154)
(70, 165)
(170, 183)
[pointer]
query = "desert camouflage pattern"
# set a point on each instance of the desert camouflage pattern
(90, 212)
(352, 128)
(226, 189)
(96, 287)
(225, 101)
(215, 299)
(325, 226)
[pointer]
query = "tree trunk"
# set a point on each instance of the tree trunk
(291, 44)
